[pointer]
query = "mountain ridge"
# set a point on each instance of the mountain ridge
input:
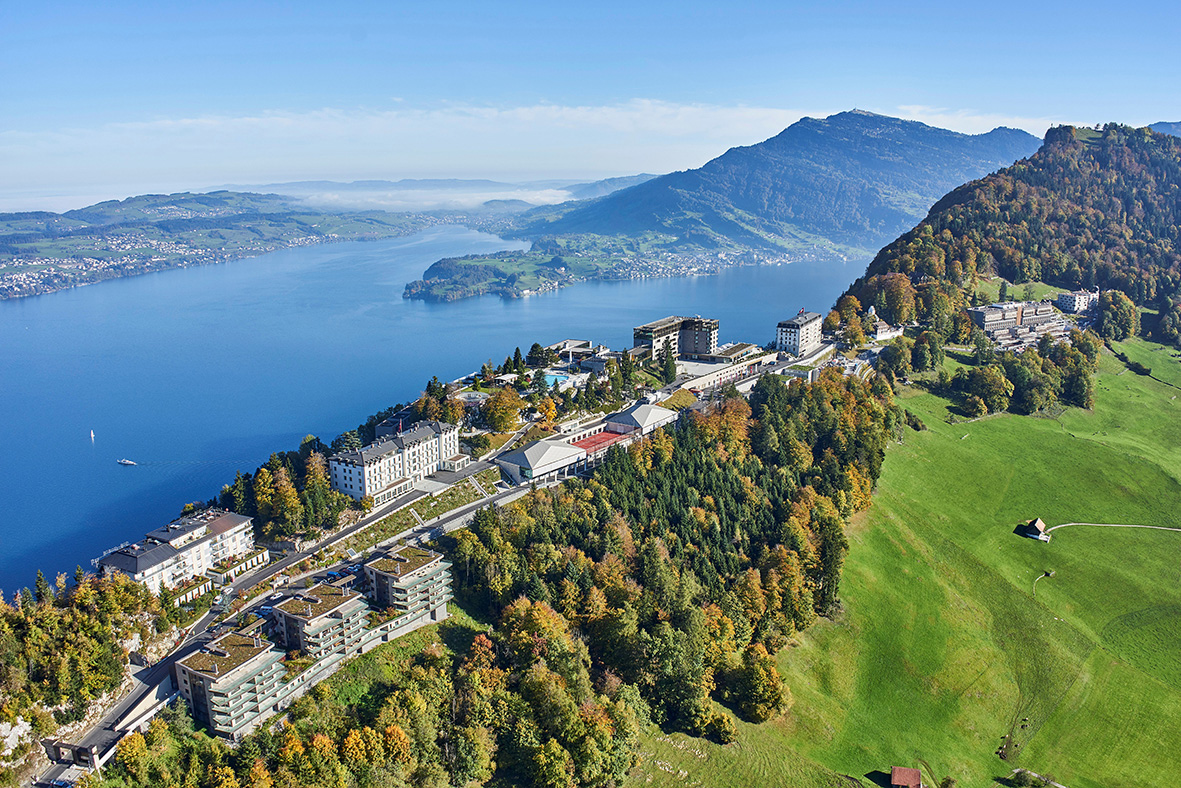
(856, 179)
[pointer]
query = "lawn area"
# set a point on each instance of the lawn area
(943, 654)
(353, 683)
(498, 439)
(455, 496)
(680, 400)
(1041, 290)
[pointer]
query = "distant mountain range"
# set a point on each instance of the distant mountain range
(1167, 128)
(854, 179)
(432, 194)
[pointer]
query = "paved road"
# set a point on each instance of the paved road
(106, 732)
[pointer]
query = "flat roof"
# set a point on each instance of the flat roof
(799, 320)
(404, 560)
(316, 601)
(599, 441)
(226, 653)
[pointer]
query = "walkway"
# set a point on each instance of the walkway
(1113, 525)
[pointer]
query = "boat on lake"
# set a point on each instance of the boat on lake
(126, 461)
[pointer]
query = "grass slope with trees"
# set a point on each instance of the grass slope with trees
(945, 655)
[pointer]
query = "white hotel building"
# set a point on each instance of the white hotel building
(800, 335)
(389, 467)
(187, 548)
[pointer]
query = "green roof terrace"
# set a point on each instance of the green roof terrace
(404, 560)
(316, 601)
(227, 653)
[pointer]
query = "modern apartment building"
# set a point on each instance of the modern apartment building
(800, 335)
(1078, 301)
(388, 468)
(321, 622)
(242, 678)
(236, 681)
(186, 548)
(411, 581)
(682, 337)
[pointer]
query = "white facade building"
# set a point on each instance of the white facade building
(800, 335)
(388, 468)
(186, 548)
(1078, 301)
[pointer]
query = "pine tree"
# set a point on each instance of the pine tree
(43, 592)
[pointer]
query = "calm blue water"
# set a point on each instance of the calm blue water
(200, 372)
(550, 380)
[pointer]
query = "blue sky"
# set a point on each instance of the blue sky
(115, 98)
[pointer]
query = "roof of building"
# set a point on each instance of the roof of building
(316, 601)
(643, 415)
(137, 558)
(422, 431)
(215, 521)
(226, 653)
(664, 322)
(404, 560)
(905, 777)
(1038, 525)
(541, 453)
(800, 320)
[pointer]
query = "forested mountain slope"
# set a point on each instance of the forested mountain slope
(1092, 208)
(855, 179)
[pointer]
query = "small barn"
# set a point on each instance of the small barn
(905, 777)
(1037, 530)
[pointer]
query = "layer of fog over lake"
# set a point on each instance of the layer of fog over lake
(196, 373)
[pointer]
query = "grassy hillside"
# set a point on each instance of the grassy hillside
(944, 654)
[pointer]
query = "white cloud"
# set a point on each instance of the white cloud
(505, 143)
(69, 167)
(970, 121)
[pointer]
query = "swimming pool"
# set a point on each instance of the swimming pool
(551, 379)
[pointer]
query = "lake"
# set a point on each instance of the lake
(198, 372)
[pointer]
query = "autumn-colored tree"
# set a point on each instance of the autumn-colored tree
(264, 494)
(288, 509)
(397, 743)
(352, 747)
(761, 692)
(131, 754)
(223, 777)
(548, 410)
(501, 409)
(260, 776)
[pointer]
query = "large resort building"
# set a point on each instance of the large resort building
(389, 467)
(800, 335)
(680, 337)
(183, 553)
(1016, 325)
(242, 678)
(583, 447)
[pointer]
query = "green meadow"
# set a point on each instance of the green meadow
(944, 655)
